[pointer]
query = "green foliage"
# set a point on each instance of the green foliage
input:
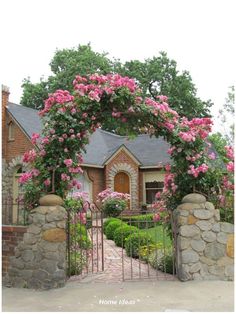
(162, 261)
(65, 65)
(108, 220)
(226, 116)
(77, 263)
(73, 204)
(160, 235)
(122, 233)
(111, 228)
(157, 75)
(146, 250)
(79, 236)
(140, 221)
(34, 94)
(219, 142)
(113, 207)
(135, 241)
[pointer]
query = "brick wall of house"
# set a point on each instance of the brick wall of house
(96, 175)
(5, 96)
(11, 237)
(20, 144)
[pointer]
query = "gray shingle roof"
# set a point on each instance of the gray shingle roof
(103, 144)
(149, 151)
(27, 118)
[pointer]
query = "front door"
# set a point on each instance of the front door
(121, 184)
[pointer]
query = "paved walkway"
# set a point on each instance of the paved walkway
(118, 266)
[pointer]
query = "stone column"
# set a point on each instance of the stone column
(204, 244)
(40, 260)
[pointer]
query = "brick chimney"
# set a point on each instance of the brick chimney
(5, 99)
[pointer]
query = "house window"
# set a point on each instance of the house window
(151, 189)
(11, 131)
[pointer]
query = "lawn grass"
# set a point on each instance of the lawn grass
(160, 236)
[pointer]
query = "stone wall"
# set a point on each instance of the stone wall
(40, 260)
(205, 249)
(11, 237)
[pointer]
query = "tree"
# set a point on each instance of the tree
(159, 76)
(226, 116)
(155, 76)
(65, 65)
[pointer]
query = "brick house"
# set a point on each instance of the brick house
(111, 161)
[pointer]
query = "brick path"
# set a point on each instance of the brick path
(114, 269)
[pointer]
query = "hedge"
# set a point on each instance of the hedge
(134, 243)
(140, 221)
(122, 233)
(108, 220)
(111, 227)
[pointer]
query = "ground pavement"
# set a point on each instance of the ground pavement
(152, 296)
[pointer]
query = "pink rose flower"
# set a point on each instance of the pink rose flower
(68, 162)
(47, 182)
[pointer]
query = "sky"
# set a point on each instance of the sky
(198, 34)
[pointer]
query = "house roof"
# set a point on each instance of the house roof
(151, 152)
(27, 118)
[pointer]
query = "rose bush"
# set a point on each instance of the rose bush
(113, 203)
(69, 119)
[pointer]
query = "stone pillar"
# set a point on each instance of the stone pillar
(204, 244)
(40, 260)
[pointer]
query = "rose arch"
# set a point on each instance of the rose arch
(101, 101)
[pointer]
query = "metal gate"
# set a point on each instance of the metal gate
(149, 255)
(85, 253)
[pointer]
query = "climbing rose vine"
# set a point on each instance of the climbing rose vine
(69, 119)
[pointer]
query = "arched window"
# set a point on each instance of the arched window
(11, 131)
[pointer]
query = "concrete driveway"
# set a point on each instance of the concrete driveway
(151, 296)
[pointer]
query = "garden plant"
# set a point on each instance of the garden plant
(70, 118)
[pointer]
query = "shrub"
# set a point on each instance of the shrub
(147, 250)
(108, 220)
(162, 262)
(122, 232)
(111, 227)
(135, 241)
(140, 221)
(77, 263)
(79, 236)
(113, 207)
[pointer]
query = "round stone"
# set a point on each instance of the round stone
(209, 236)
(203, 213)
(222, 237)
(51, 200)
(189, 256)
(54, 235)
(204, 225)
(215, 250)
(227, 227)
(198, 245)
(230, 245)
(194, 198)
(189, 231)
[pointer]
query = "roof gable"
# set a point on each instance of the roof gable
(126, 151)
